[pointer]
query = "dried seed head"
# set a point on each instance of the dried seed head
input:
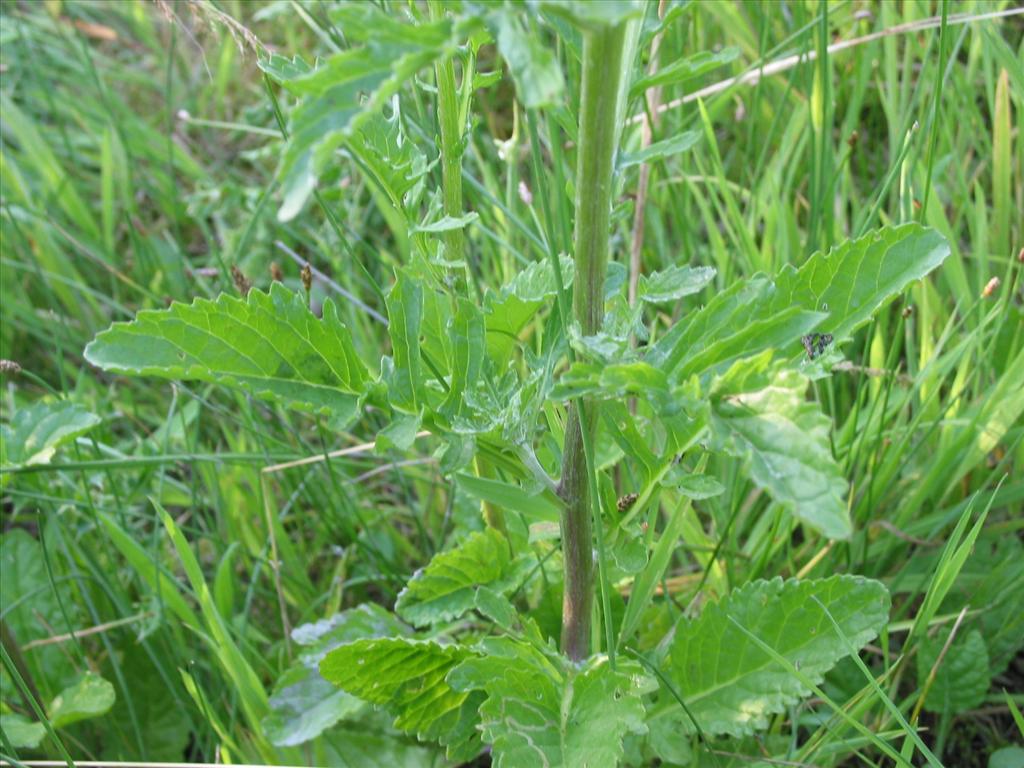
(275, 272)
(990, 287)
(242, 283)
(307, 277)
(9, 366)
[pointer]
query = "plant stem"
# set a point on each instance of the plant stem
(606, 62)
(450, 119)
(451, 154)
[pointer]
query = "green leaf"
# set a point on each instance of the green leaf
(389, 157)
(731, 685)
(35, 433)
(536, 71)
(696, 487)
(962, 679)
(407, 678)
(509, 311)
(269, 345)
(168, 592)
(405, 313)
(764, 418)
(303, 704)
(684, 69)
(20, 731)
(660, 150)
(674, 283)
(1007, 757)
(543, 710)
(495, 607)
(533, 507)
(613, 381)
(447, 224)
(446, 588)
(853, 280)
(586, 14)
(738, 322)
(166, 727)
(34, 604)
(91, 696)
(347, 89)
(369, 741)
(248, 687)
(467, 334)
(835, 292)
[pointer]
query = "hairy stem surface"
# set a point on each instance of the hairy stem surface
(606, 59)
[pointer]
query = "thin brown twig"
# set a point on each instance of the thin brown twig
(78, 633)
(938, 663)
(353, 450)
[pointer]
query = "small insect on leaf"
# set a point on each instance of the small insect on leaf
(815, 343)
(626, 502)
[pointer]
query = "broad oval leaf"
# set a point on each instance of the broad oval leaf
(543, 710)
(270, 345)
(303, 704)
(91, 696)
(407, 678)
(22, 732)
(962, 676)
(731, 685)
(763, 417)
(35, 433)
(446, 588)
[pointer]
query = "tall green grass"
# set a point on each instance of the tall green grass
(139, 152)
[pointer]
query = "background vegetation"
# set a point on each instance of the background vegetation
(141, 144)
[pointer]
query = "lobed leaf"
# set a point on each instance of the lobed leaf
(347, 89)
(543, 710)
(407, 678)
(269, 345)
(731, 685)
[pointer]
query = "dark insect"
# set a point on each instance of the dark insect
(627, 501)
(815, 343)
